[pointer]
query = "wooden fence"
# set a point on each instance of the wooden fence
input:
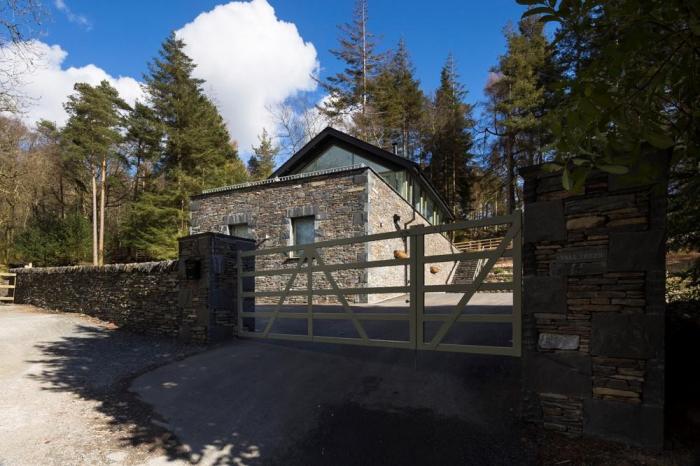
(7, 282)
(478, 244)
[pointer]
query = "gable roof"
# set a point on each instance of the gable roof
(331, 136)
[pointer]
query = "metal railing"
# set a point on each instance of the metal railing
(309, 261)
(478, 244)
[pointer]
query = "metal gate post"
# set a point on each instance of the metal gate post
(417, 281)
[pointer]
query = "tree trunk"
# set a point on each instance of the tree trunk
(181, 220)
(136, 177)
(405, 141)
(454, 186)
(511, 174)
(94, 220)
(62, 195)
(103, 183)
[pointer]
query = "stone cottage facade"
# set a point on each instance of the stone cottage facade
(335, 187)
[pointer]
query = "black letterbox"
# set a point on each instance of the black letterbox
(192, 269)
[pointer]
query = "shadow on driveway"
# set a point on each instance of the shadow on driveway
(282, 403)
(97, 363)
(250, 402)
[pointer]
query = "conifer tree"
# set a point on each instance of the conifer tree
(400, 104)
(197, 153)
(262, 162)
(91, 136)
(450, 140)
(517, 100)
(144, 138)
(350, 91)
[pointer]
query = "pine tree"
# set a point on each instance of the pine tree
(262, 162)
(517, 101)
(197, 153)
(91, 136)
(400, 104)
(149, 231)
(450, 140)
(350, 90)
(50, 240)
(144, 138)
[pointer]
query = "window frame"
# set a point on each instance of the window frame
(248, 232)
(293, 236)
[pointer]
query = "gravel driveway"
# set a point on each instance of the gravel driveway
(62, 391)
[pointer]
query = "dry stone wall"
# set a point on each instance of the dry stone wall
(139, 297)
(193, 298)
(593, 320)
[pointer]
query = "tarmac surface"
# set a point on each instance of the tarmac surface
(297, 403)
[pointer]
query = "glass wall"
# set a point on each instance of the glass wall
(402, 181)
(397, 180)
(336, 157)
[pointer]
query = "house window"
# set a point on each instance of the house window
(303, 231)
(240, 230)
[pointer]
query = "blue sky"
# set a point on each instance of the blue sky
(120, 37)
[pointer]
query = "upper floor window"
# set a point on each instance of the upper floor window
(337, 157)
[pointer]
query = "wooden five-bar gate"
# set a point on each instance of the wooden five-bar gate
(259, 321)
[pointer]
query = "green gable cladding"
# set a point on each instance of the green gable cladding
(333, 149)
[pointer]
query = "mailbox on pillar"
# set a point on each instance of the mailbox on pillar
(193, 268)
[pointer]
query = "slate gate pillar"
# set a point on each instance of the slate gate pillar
(593, 306)
(207, 285)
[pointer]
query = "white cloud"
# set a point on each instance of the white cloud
(76, 18)
(250, 60)
(492, 79)
(46, 85)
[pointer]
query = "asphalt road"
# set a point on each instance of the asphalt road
(488, 334)
(271, 402)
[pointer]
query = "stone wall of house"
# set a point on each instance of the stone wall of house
(339, 204)
(384, 203)
(344, 204)
(593, 310)
(139, 297)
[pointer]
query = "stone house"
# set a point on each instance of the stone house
(336, 186)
